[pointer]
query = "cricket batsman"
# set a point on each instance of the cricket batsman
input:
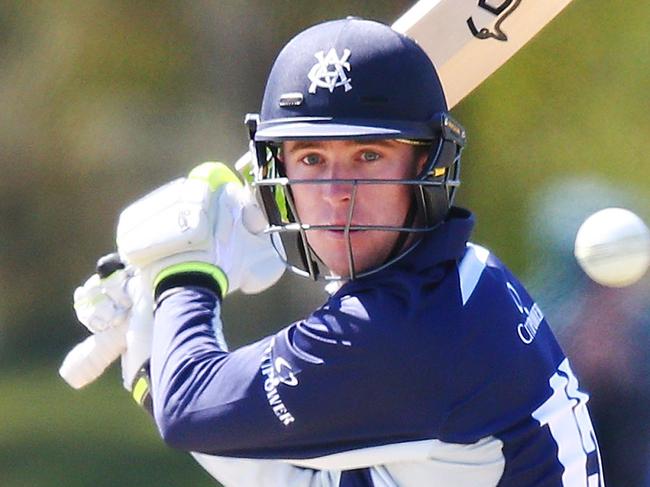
(428, 364)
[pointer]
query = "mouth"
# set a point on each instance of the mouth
(341, 226)
(336, 229)
(340, 234)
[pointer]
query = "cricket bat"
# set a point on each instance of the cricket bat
(467, 41)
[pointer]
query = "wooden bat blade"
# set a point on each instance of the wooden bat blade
(468, 40)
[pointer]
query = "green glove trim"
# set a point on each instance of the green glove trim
(141, 388)
(216, 174)
(281, 201)
(210, 270)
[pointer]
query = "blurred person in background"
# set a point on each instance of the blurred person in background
(609, 342)
(605, 331)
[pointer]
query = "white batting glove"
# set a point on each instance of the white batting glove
(139, 332)
(103, 302)
(103, 306)
(244, 252)
(118, 310)
(206, 223)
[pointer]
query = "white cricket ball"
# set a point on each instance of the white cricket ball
(613, 247)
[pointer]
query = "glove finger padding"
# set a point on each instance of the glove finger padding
(247, 254)
(265, 262)
(115, 287)
(263, 266)
(102, 303)
(253, 217)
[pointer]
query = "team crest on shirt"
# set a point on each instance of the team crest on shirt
(330, 71)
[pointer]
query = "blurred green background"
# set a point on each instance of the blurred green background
(102, 101)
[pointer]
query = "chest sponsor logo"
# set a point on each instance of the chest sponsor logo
(277, 371)
(531, 318)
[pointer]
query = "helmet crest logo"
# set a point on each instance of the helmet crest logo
(330, 71)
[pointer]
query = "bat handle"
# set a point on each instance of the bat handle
(108, 264)
(88, 359)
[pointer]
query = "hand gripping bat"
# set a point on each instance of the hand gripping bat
(88, 359)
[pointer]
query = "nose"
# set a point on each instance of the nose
(338, 192)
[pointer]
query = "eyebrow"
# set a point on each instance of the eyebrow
(310, 144)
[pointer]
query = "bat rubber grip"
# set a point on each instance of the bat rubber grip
(108, 264)
(88, 359)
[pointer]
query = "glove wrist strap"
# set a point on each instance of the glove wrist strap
(191, 274)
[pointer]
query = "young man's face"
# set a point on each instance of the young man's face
(329, 204)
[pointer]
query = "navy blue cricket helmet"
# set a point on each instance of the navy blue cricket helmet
(353, 79)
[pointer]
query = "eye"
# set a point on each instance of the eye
(370, 156)
(311, 159)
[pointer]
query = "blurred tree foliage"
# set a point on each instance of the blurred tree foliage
(101, 101)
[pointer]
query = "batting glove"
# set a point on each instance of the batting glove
(207, 225)
(103, 302)
(117, 308)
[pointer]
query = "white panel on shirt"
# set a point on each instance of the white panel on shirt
(240, 472)
(471, 268)
(425, 462)
(409, 464)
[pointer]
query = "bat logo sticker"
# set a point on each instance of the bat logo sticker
(502, 11)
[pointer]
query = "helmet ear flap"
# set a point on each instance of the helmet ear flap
(442, 169)
(447, 155)
(433, 203)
